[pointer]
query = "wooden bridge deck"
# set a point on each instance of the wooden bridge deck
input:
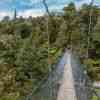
(67, 89)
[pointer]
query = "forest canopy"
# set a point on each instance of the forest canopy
(24, 48)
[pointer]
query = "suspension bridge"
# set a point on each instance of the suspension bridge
(73, 85)
(67, 82)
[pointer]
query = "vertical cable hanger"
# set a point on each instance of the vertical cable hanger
(47, 28)
(48, 35)
(49, 18)
(90, 23)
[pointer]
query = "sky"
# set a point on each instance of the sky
(35, 8)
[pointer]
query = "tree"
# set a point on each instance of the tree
(6, 18)
(54, 27)
(70, 15)
(23, 29)
(87, 27)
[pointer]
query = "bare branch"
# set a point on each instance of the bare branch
(46, 7)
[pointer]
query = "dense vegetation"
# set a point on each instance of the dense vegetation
(25, 45)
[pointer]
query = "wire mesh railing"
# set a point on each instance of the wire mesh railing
(48, 89)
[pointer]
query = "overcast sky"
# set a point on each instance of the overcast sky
(34, 8)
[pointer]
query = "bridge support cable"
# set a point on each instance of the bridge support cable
(47, 17)
(47, 87)
(90, 24)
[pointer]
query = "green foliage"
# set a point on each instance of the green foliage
(93, 68)
(13, 96)
(19, 70)
(23, 29)
(24, 48)
(95, 98)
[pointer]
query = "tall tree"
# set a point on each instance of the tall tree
(70, 19)
(88, 20)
